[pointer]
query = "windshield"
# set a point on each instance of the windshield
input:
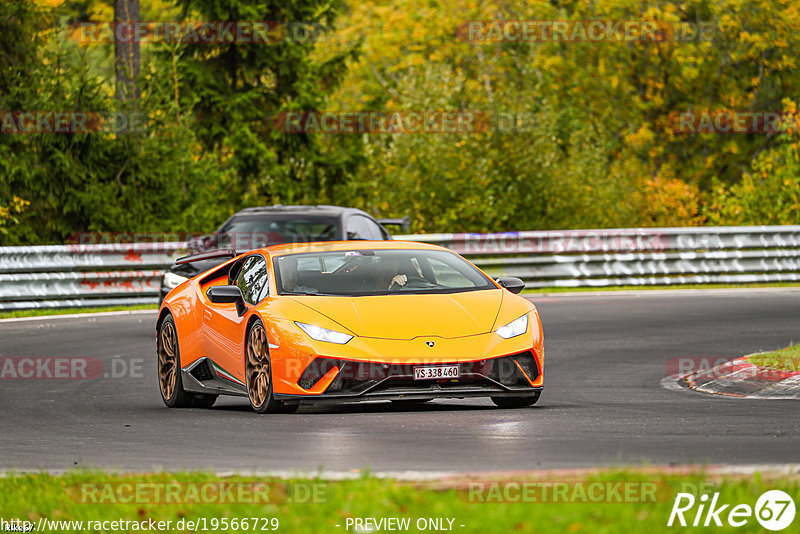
(247, 232)
(377, 272)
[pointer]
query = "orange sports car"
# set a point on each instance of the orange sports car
(348, 321)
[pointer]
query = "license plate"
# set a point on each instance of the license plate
(435, 373)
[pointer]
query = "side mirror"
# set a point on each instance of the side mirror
(515, 285)
(227, 295)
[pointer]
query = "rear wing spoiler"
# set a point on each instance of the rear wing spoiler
(223, 253)
(403, 223)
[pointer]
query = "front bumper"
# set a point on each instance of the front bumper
(408, 395)
(338, 380)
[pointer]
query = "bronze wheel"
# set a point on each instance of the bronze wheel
(169, 371)
(167, 359)
(258, 372)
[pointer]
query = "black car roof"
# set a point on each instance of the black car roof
(310, 210)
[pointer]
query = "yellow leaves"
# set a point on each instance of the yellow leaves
(640, 138)
(102, 12)
(728, 24)
(412, 60)
(472, 85)
(15, 208)
(671, 202)
(690, 72)
(552, 62)
(18, 204)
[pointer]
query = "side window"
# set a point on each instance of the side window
(359, 227)
(252, 279)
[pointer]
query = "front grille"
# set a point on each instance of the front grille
(358, 377)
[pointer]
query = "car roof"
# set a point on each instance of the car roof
(321, 209)
(333, 246)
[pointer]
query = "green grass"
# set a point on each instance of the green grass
(64, 497)
(65, 311)
(787, 359)
(547, 290)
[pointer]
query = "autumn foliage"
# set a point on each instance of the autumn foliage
(582, 125)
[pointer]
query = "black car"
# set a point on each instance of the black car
(271, 225)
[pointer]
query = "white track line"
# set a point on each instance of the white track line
(77, 315)
(792, 469)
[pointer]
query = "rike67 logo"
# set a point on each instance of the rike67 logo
(774, 510)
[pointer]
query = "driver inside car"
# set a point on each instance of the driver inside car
(388, 276)
(289, 277)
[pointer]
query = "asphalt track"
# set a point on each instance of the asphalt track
(603, 402)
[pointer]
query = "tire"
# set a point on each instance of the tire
(258, 371)
(517, 402)
(169, 376)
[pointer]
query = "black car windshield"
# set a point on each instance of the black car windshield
(377, 272)
(247, 232)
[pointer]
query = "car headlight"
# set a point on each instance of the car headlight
(323, 334)
(515, 328)
(172, 280)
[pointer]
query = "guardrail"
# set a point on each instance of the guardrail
(67, 276)
(122, 274)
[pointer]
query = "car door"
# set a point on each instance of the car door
(224, 329)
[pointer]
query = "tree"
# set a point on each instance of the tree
(149, 180)
(127, 54)
(607, 107)
(234, 89)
